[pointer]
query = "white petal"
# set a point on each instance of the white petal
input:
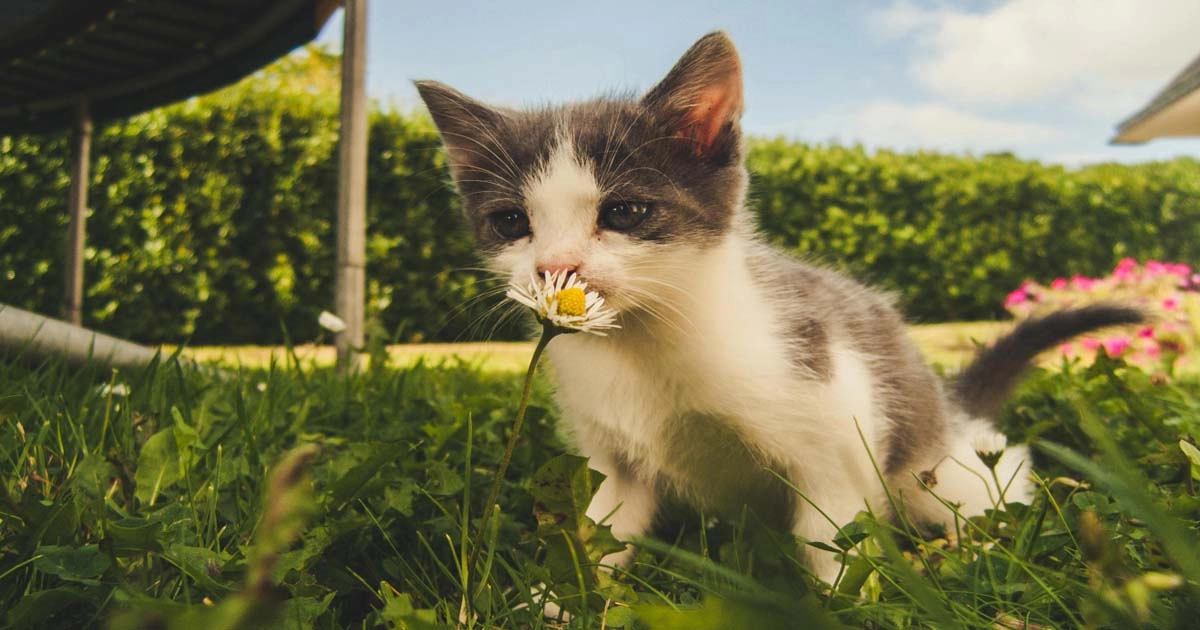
(120, 389)
(331, 322)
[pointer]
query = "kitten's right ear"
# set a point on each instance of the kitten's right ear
(461, 121)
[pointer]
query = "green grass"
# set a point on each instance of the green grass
(285, 495)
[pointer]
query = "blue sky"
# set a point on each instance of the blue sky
(1045, 79)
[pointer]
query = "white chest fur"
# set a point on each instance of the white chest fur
(699, 401)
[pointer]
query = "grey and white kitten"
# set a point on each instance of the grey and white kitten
(732, 360)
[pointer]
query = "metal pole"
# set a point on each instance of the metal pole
(350, 280)
(81, 147)
(25, 334)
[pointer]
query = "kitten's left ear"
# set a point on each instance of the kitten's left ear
(702, 96)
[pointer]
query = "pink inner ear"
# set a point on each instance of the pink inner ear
(715, 105)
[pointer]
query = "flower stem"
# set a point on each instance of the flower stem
(489, 506)
(999, 489)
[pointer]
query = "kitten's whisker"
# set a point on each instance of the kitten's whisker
(488, 131)
(492, 285)
(641, 308)
(492, 156)
(511, 163)
(652, 304)
(492, 274)
(627, 173)
(609, 171)
(685, 299)
(676, 289)
(618, 172)
(513, 311)
(473, 328)
(505, 180)
(487, 171)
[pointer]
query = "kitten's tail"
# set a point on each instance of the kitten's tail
(986, 383)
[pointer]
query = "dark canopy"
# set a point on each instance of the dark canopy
(127, 56)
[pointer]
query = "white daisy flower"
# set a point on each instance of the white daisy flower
(120, 389)
(331, 322)
(989, 447)
(561, 300)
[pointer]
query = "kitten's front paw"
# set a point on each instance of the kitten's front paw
(618, 560)
(550, 608)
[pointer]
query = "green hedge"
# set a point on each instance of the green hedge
(212, 221)
(952, 235)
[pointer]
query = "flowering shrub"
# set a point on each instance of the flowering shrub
(1168, 292)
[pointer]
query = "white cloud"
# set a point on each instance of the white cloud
(938, 126)
(1107, 56)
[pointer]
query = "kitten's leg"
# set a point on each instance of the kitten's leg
(960, 478)
(819, 518)
(624, 501)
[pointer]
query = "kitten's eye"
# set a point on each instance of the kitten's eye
(509, 225)
(623, 216)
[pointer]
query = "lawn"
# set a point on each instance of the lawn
(949, 345)
(280, 494)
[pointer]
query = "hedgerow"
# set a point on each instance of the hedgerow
(213, 220)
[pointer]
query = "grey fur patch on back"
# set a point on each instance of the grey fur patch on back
(820, 307)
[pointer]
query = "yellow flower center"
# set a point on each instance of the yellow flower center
(571, 301)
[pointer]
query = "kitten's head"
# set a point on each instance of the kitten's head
(623, 191)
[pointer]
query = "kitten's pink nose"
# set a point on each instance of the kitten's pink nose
(557, 266)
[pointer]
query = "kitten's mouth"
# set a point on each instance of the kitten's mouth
(593, 285)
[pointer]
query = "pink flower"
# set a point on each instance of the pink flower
(1124, 268)
(1058, 284)
(1089, 343)
(1146, 332)
(1125, 264)
(1114, 345)
(1017, 295)
(1082, 282)
(1180, 269)
(1151, 348)
(1171, 302)
(1156, 268)
(1066, 347)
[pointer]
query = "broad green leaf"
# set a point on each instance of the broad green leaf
(92, 475)
(201, 564)
(400, 498)
(55, 522)
(620, 617)
(302, 612)
(398, 611)
(51, 608)
(347, 487)
(1193, 455)
(158, 466)
(441, 480)
(133, 536)
(563, 488)
(719, 613)
(76, 564)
